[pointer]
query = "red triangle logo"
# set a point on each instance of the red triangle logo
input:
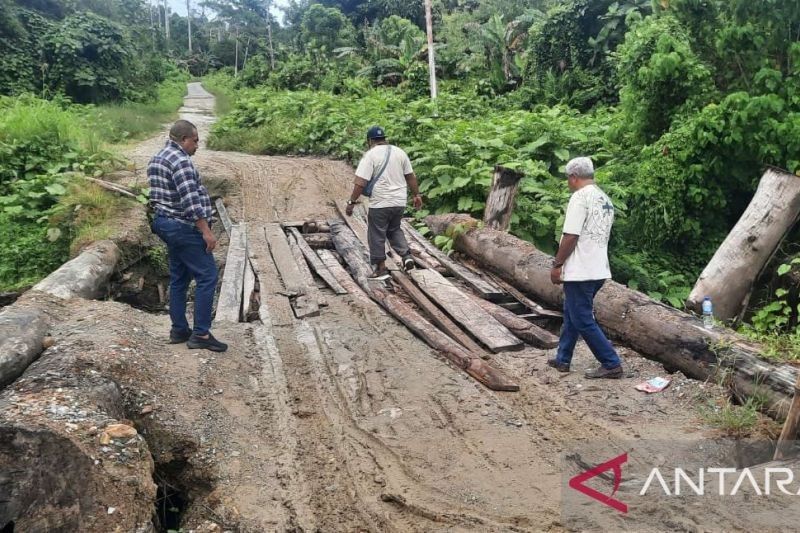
(615, 465)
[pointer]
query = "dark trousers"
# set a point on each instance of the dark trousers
(383, 223)
(579, 321)
(188, 259)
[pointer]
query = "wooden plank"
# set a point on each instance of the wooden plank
(524, 300)
(229, 305)
(275, 308)
(341, 275)
(789, 431)
(311, 287)
(486, 289)
(349, 246)
(472, 317)
(315, 262)
(223, 216)
(318, 240)
(249, 303)
(293, 281)
(530, 333)
(500, 202)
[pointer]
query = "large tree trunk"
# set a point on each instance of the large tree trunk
(21, 334)
(672, 337)
(500, 203)
(729, 276)
(85, 276)
(348, 245)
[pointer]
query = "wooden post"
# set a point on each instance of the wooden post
(789, 432)
(729, 276)
(500, 203)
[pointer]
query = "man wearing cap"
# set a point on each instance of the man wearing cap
(581, 264)
(384, 174)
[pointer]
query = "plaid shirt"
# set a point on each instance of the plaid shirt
(175, 187)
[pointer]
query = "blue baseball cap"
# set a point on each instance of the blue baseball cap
(375, 132)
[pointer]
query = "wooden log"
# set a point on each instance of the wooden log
(348, 245)
(113, 187)
(229, 304)
(318, 241)
(729, 276)
(420, 255)
(672, 337)
(316, 226)
(483, 287)
(315, 262)
(303, 304)
(464, 311)
(275, 308)
(500, 203)
(22, 332)
(530, 333)
(359, 228)
(341, 275)
(223, 216)
(85, 276)
(789, 431)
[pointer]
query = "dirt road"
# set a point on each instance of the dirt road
(346, 421)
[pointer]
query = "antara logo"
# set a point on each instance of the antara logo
(615, 465)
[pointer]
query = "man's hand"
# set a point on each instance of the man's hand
(349, 209)
(211, 241)
(555, 275)
(417, 201)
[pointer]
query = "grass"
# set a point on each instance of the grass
(222, 86)
(88, 210)
(733, 420)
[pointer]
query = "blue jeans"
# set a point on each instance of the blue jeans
(579, 321)
(188, 259)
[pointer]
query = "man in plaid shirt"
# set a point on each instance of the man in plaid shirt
(182, 220)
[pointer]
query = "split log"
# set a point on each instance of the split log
(318, 241)
(229, 304)
(500, 203)
(789, 431)
(348, 245)
(316, 263)
(85, 276)
(484, 288)
(310, 285)
(22, 332)
(464, 311)
(729, 276)
(535, 309)
(530, 333)
(223, 216)
(275, 308)
(672, 337)
(341, 275)
(293, 282)
(359, 228)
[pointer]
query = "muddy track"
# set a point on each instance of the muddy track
(346, 421)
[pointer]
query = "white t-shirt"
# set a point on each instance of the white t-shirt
(391, 189)
(590, 215)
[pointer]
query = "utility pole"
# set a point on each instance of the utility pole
(431, 59)
(189, 23)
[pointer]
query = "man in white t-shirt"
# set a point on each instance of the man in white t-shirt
(581, 264)
(385, 175)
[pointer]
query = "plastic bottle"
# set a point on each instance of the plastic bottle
(708, 313)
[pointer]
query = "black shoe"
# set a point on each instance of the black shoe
(178, 336)
(379, 275)
(408, 263)
(561, 367)
(210, 343)
(607, 373)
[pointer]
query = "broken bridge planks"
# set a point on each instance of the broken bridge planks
(486, 289)
(483, 326)
(223, 216)
(349, 246)
(275, 308)
(316, 264)
(229, 305)
(304, 305)
(527, 331)
(341, 275)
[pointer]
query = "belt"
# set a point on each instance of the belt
(181, 220)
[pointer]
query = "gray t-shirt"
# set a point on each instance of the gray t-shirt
(590, 215)
(391, 189)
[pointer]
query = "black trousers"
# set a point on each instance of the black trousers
(383, 223)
